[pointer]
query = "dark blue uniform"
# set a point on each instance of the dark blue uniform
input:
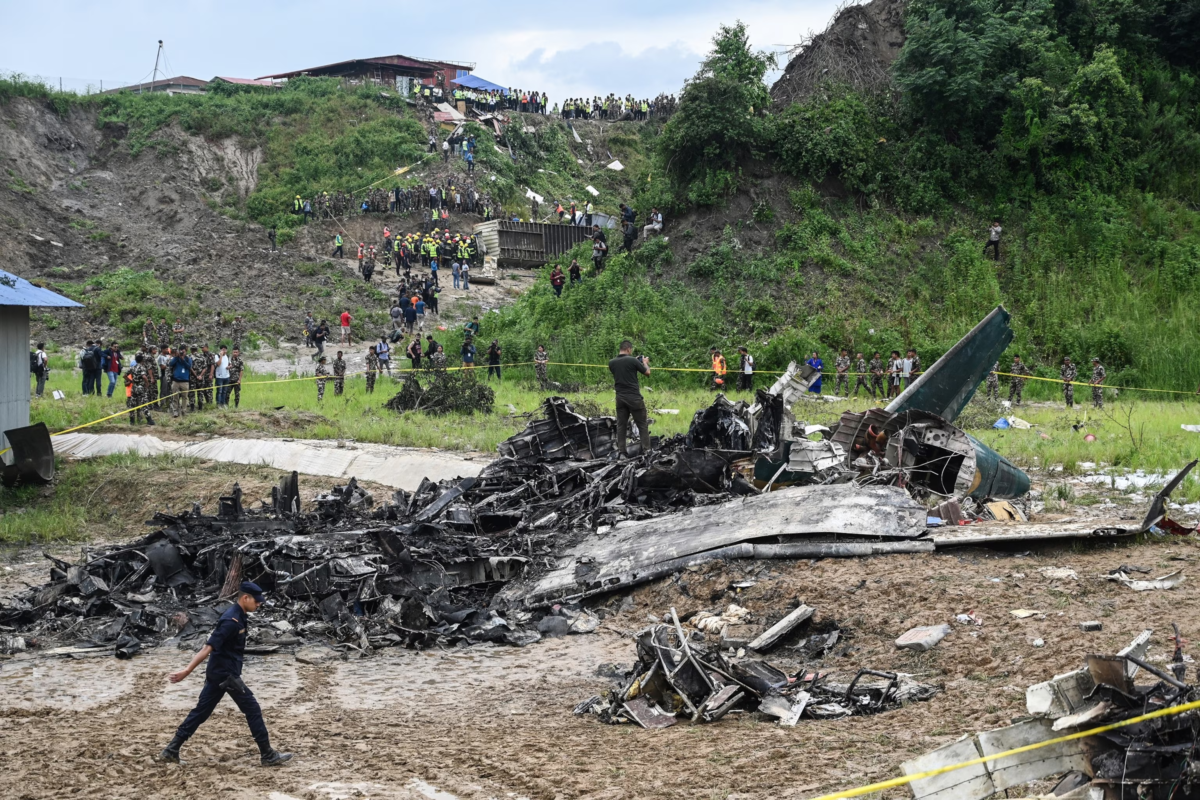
(223, 674)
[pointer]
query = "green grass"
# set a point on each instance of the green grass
(290, 408)
(110, 498)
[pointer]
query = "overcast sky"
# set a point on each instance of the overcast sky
(566, 49)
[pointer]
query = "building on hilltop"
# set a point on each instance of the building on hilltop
(180, 84)
(395, 71)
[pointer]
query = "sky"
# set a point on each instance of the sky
(566, 49)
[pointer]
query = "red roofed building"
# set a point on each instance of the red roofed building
(395, 71)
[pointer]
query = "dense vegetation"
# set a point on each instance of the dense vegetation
(1077, 125)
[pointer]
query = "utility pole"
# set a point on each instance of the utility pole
(154, 77)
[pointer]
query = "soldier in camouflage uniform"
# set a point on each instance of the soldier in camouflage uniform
(373, 368)
(1016, 385)
(196, 380)
(163, 332)
(1068, 373)
(437, 361)
(541, 366)
(148, 332)
(860, 379)
(177, 331)
(339, 374)
(150, 362)
(322, 373)
(875, 367)
(1098, 376)
(237, 331)
(993, 383)
(236, 368)
(206, 379)
(842, 365)
(139, 380)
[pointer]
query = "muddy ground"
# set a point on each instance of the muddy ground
(496, 722)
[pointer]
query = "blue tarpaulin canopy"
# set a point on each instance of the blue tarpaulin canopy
(476, 82)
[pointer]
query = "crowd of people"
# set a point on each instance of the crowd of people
(613, 108)
(164, 373)
(437, 200)
(525, 101)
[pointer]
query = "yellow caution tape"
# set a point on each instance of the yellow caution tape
(907, 779)
(402, 370)
(1093, 385)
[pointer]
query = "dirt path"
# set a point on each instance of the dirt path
(397, 467)
(495, 722)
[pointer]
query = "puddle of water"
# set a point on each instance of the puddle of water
(63, 683)
(273, 679)
(448, 678)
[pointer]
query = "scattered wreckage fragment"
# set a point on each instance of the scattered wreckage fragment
(681, 674)
(1151, 760)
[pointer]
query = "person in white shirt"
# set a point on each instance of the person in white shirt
(993, 241)
(746, 371)
(655, 223)
(221, 373)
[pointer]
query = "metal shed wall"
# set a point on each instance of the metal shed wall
(528, 244)
(14, 369)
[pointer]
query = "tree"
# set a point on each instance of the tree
(720, 119)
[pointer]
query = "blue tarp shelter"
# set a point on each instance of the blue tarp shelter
(476, 82)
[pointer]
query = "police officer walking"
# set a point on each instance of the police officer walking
(224, 650)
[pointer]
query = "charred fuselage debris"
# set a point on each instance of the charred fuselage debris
(418, 569)
(441, 392)
(1154, 759)
(682, 674)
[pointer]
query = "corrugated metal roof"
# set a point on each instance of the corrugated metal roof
(149, 86)
(390, 61)
(16, 291)
(245, 81)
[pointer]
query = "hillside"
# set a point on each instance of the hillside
(157, 204)
(846, 208)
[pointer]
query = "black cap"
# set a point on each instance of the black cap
(254, 590)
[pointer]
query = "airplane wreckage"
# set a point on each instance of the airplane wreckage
(556, 518)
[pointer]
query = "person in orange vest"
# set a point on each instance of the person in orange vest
(387, 233)
(361, 249)
(560, 211)
(719, 369)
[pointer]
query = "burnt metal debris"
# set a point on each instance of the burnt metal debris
(1156, 759)
(440, 392)
(556, 518)
(683, 673)
(417, 569)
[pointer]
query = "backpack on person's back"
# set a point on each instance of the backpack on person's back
(88, 361)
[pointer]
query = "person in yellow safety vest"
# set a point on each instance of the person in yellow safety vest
(296, 205)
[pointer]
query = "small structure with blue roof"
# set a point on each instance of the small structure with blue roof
(17, 296)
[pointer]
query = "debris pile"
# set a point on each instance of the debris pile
(419, 569)
(443, 393)
(680, 674)
(1154, 759)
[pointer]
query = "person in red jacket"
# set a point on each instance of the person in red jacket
(346, 319)
(557, 279)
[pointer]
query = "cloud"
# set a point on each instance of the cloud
(598, 68)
